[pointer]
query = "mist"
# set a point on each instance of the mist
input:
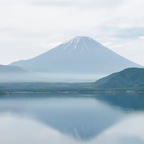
(47, 77)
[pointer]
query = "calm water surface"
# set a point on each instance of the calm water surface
(58, 119)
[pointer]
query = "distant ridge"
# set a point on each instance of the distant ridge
(10, 69)
(81, 55)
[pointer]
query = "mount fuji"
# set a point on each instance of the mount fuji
(81, 55)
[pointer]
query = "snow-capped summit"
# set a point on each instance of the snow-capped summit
(80, 44)
(78, 39)
(83, 41)
(79, 55)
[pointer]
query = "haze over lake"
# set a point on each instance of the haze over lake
(48, 77)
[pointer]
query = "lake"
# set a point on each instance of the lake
(71, 119)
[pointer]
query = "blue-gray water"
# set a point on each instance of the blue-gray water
(76, 118)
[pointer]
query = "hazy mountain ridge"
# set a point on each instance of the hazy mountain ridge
(79, 55)
(10, 69)
(129, 78)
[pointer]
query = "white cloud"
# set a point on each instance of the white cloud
(79, 3)
(128, 131)
(141, 37)
(65, 3)
(15, 130)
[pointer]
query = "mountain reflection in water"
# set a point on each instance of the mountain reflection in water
(82, 117)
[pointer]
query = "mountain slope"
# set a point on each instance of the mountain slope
(128, 78)
(10, 69)
(79, 55)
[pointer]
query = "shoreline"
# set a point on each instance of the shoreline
(100, 91)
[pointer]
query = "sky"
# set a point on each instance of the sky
(31, 27)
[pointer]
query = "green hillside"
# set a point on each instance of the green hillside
(128, 78)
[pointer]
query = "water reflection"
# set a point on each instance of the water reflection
(126, 102)
(81, 117)
(128, 131)
(15, 130)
